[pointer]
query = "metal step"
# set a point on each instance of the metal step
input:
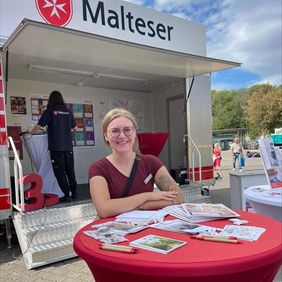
(192, 193)
(46, 236)
(53, 215)
(54, 231)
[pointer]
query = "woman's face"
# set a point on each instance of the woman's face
(121, 134)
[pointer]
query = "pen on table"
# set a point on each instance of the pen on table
(118, 248)
(231, 240)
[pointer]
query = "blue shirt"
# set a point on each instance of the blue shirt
(60, 121)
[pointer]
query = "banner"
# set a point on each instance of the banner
(272, 162)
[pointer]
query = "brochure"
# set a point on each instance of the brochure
(107, 238)
(209, 210)
(194, 213)
(158, 244)
(112, 232)
(249, 233)
(117, 227)
(181, 226)
(142, 217)
(272, 162)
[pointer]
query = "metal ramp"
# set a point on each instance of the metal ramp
(195, 193)
(46, 235)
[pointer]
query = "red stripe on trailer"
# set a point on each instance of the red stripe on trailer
(5, 203)
(4, 191)
(0, 69)
(5, 199)
(1, 85)
(207, 173)
(3, 138)
(1, 103)
(2, 121)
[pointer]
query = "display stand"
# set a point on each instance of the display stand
(239, 181)
(265, 201)
(272, 162)
(37, 147)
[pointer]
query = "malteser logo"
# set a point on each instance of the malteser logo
(55, 12)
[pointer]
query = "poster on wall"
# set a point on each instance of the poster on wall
(135, 107)
(38, 105)
(272, 162)
(83, 115)
(18, 105)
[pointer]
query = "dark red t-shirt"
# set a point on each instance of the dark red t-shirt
(143, 182)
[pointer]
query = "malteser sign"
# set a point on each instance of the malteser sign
(125, 20)
(111, 18)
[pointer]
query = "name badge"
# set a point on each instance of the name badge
(148, 178)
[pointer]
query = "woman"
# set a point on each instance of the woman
(108, 177)
(217, 156)
(60, 123)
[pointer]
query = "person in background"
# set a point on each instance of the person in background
(217, 157)
(60, 123)
(109, 176)
(237, 151)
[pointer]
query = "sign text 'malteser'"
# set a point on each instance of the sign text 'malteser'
(126, 21)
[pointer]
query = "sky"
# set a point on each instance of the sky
(244, 31)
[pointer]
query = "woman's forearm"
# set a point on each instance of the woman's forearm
(154, 205)
(113, 207)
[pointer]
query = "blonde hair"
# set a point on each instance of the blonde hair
(115, 113)
(216, 145)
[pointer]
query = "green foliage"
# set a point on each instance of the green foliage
(258, 108)
(264, 110)
(227, 109)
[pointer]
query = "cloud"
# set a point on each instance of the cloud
(244, 31)
(252, 36)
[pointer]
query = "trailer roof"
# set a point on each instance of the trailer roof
(38, 51)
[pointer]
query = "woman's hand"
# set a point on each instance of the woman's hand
(165, 182)
(163, 195)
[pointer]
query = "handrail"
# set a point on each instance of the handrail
(18, 173)
(193, 159)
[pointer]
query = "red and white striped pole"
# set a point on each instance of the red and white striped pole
(5, 189)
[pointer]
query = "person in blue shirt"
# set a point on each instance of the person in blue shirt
(60, 123)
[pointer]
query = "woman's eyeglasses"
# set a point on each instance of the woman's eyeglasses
(127, 131)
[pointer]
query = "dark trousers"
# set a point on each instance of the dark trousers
(63, 167)
(236, 158)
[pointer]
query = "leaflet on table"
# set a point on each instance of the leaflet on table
(112, 232)
(158, 244)
(200, 212)
(181, 226)
(272, 162)
(249, 233)
(179, 212)
(107, 238)
(142, 217)
(209, 210)
(117, 227)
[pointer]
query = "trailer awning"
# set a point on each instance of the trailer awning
(38, 51)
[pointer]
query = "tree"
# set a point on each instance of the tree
(263, 110)
(228, 109)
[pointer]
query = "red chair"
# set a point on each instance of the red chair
(152, 143)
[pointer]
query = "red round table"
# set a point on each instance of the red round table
(196, 261)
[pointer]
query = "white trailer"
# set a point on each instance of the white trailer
(108, 53)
